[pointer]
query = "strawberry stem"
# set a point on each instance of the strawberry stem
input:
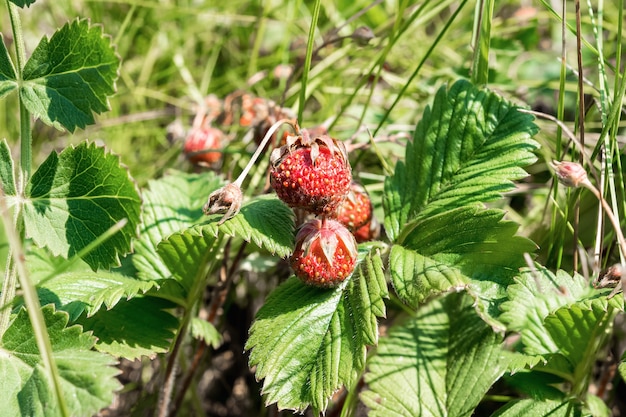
(291, 122)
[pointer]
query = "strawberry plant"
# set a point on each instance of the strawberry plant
(344, 274)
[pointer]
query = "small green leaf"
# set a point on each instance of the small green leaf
(7, 174)
(75, 197)
(466, 247)
(87, 377)
(8, 81)
(440, 362)
(306, 342)
(172, 204)
(468, 148)
(71, 76)
(141, 326)
(265, 221)
(78, 292)
(22, 3)
(530, 407)
(202, 329)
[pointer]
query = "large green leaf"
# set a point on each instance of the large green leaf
(467, 149)
(467, 247)
(439, 363)
(307, 342)
(70, 76)
(87, 378)
(8, 81)
(22, 3)
(75, 197)
(172, 204)
(142, 326)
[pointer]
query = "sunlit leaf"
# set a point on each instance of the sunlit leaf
(440, 362)
(70, 76)
(75, 197)
(468, 148)
(307, 342)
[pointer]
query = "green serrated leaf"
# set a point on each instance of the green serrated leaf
(75, 197)
(78, 292)
(468, 148)
(71, 76)
(8, 80)
(440, 362)
(186, 254)
(22, 3)
(139, 327)
(560, 318)
(171, 204)
(306, 342)
(87, 377)
(7, 174)
(202, 329)
(265, 221)
(466, 247)
(530, 407)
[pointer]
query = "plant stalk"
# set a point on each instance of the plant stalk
(308, 57)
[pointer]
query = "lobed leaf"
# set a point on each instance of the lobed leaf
(142, 326)
(202, 329)
(440, 362)
(70, 76)
(307, 342)
(87, 378)
(467, 149)
(75, 197)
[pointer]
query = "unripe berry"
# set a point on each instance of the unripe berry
(325, 253)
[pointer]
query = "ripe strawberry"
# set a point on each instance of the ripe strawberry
(311, 173)
(325, 253)
(201, 144)
(356, 210)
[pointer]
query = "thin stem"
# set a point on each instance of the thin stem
(309, 55)
(259, 149)
(25, 123)
(33, 307)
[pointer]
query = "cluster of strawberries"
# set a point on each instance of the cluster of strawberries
(204, 142)
(312, 173)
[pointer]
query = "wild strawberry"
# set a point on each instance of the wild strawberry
(201, 143)
(369, 231)
(325, 253)
(311, 173)
(356, 210)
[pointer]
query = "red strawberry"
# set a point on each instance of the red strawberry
(311, 173)
(367, 232)
(325, 253)
(201, 144)
(356, 210)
